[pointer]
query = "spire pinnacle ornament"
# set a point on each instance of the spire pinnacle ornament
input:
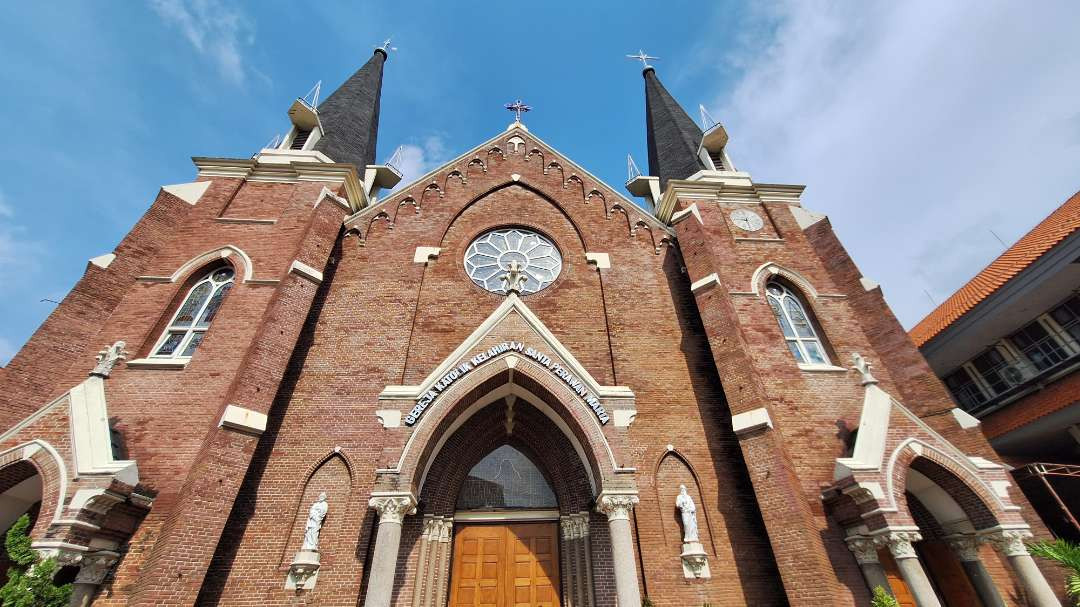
(643, 58)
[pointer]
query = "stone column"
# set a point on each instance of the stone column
(92, 571)
(899, 543)
(392, 508)
(1011, 543)
(865, 550)
(617, 507)
(966, 548)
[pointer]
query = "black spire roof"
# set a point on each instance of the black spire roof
(673, 136)
(350, 116)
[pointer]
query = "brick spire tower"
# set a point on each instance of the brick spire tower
(673, 135)
(350, 116)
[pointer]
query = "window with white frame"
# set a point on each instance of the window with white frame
(1067, 316)
(188, 326)
(1039, 346)
(965, 389)
(798, 328)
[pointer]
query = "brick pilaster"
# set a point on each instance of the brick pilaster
(807, 574)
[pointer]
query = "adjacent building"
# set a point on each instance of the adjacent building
(1007, 345)
(505, 383)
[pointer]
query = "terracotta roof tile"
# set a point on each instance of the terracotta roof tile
(1052, 230)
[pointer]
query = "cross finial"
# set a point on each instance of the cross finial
(385, 46)
(517, 108)
(642, 57)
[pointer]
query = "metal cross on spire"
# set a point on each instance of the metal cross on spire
(385, 46)
(642, 57)
(517, 108)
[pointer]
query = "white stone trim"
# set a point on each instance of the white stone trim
(569, 166)
(512, 303)
(389, 418)
(316, 168)
(31, 447)
(198, 261)
(103, 261)
(244, 420)
(602, 261)
(426, 255)
(534, 400)
(188, 192)
(710, 280)
(818, 368)
(748, 421)
(305, 271)
(90, 435)
(771, 268)
(804, 217)
(868, 284)
(624, 417)
(469, 516)
(965, 419)
(325, 194)
(691, 210)
(158, 363)
(873, 431)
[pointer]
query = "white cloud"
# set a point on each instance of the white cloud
(214, 29)
(917, 126)
(417, 159)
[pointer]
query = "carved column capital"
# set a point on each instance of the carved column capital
(1009, 541)
(617, 505)
(966, 547)
(864, 548)
(392, 507)
(900, 543)
(94, 567)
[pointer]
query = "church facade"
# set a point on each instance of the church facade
(503, 384)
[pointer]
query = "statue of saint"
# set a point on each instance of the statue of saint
(314, 523)
(685, 504)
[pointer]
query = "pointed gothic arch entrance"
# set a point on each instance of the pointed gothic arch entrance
(507, 515)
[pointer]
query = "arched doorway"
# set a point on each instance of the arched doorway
(949, 549)
(507, 501)
(20, 493)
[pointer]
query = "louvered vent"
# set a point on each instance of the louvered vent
(299, 140)
(718, 159)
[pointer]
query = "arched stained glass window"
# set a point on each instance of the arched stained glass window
(802, 339)
(505, 478)
(188, 326)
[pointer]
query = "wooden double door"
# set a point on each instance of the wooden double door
(514, 565)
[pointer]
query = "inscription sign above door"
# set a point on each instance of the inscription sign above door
(576, 385)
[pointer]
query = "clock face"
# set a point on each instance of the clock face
(747, 220)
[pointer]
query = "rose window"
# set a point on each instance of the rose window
(491, 256)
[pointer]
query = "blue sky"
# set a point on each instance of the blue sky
(917, 126)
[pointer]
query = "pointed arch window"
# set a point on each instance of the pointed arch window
(797, 325)
(505, 478)
(192, 319)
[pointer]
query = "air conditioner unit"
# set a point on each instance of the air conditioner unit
(1012, 374)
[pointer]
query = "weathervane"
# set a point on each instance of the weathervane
(642, 57)
(385, 46)
(517, 108)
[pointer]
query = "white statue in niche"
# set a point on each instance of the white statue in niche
(686, 506)
(314, 523)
